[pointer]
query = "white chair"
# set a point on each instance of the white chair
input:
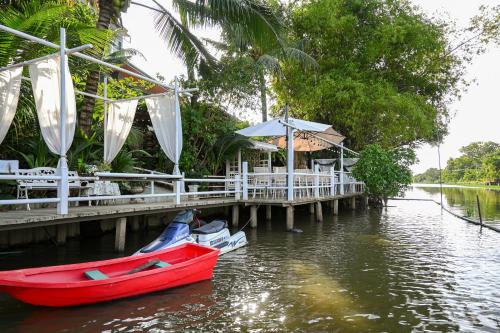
(304, 181)
(261, 182)
(279, 181)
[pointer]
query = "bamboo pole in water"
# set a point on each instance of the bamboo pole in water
(479, 211)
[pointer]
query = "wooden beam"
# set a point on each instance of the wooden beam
(62, 232)
(120, 231)
(253, 216)
(268, 212)
(236, 216)
(319, 212)
(289, 218)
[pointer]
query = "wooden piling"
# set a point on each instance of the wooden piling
(268, 213)
(134, 223)
(311, 209)
(235, 216)
(335, 207)
(289, 218)
(319, 212)
(120, 231)
(4, 239)
(62, 232)
(479, 211)
(253, 216)
(353, 203)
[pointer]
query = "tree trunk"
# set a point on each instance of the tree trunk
(192, 80)
(106, 13)
(263, 96)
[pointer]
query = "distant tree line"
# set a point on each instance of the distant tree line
(479, 163)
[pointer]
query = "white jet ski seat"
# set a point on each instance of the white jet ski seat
(210, 228)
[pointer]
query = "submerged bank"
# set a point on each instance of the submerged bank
(407, 267)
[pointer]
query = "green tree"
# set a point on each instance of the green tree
(478, 163)
(385, 74)
(477, 150)
(430, 176)
(385, 172)
(491, 167)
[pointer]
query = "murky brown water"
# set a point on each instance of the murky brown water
(409, 268)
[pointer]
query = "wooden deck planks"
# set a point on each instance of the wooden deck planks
(19, 219)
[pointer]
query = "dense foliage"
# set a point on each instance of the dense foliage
(386, 172)
(479, 163)
(385, 73)
(430, 176)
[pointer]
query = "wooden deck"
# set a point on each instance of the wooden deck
(20, 219)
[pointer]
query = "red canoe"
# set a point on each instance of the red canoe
(99, 281)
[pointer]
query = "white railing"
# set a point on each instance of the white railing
(314, 184)
(183, 188)
(248, 186)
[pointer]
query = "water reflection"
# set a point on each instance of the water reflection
(463, 200)
(405, 268)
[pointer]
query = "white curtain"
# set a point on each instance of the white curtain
(10, 86)
(46, 81)
(118, 125)
(166, 119)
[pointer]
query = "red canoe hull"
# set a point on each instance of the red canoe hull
(67, 293)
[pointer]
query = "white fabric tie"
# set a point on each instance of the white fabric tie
(10, 86)
(46, 81)
(166, 118)
(119, 122)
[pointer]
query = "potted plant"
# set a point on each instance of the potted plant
(194, 185)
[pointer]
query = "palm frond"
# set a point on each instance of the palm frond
(180, 39)
(270, 63)
(299, 56)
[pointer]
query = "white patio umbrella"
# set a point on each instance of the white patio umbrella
(307, 134)
(302, 132)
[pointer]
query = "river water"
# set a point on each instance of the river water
(463, 200)
(410, 267)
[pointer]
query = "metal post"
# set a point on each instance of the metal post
(177, 126)
(290, 162)
(332, 181)
(239, 161)
(178, 191)
(440, 180)
(245, 180)
(105, 95)
(63, 185)
(152, 185)
(341, 168)
(316, 181)
(237, 187)
(269, 161)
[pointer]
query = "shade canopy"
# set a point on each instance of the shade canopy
(308, 135)
(263, 146)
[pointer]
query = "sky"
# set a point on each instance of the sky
(476, 116)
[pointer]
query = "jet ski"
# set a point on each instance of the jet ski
(187, 228)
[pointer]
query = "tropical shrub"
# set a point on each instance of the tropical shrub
(385, 172)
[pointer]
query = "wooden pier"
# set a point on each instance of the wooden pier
(118, 213)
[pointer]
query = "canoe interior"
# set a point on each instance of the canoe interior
(111, 268)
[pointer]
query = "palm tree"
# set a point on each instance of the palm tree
(267, 56)
(252, 18)
(43, 18)
(108, 12)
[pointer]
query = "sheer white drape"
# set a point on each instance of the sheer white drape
(46, 80)
(118, 125)
(10, 86)
(166, 118)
